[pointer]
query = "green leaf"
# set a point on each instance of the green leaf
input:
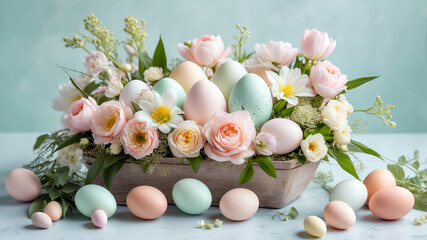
(145, 166)
(363, 148)
(360, 81)
(72, 139)
(416, 154)
(325, 130)
(54, 193)
(111, 171)
(40, 141)
(195, 163)
(61, 175)
(144, 62)
(397, 171)
(91, 87)
(111, 159)
(402, 160)
(287, 112)
(420, 201)
(344, 161)
(247, 173)
(70, 187)
(78, 88)
(293, 213)
(36, 206)
(136, 107)
(159, 56)
(266, 165)
(278, 107)
(416, 164)
(64, 205)
(96, 167)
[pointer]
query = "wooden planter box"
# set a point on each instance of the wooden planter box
(292, 179)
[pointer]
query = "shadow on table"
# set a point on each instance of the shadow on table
(9, 201)
(305, 235)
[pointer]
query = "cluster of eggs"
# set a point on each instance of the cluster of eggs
(378, 191)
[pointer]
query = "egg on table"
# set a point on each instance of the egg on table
(287, 133)
(146, 202)
(168, 83)
(252, 94)
(187, 74)
(339, 215)
(41, 220)
(191, 196)
(351, 191)
(54, 210)
(227, 75)
(378, 179)
(23, 185)
(239, 204)
(391, 203)
(315, 226)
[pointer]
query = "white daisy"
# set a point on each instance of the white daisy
(71, 156)
(289, 85)
(160, 112)
(67, 95)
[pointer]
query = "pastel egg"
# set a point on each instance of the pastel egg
(391, 203)
(378, 179)
(239, 204)
(352, 191)
(227, 75)
(92, 197)
(287, 133)
(191, 196)
(203, 101)
(132, 91)
(252, 94)
(23, 185)
(41, 220)
(146, 202)
(168, 83)
(260, 71)
(339, 215)
(54, 210)
(187, 74)
(99, 218)
(315, 226)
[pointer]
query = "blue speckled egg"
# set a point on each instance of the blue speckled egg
(252, 94)
(167, 83)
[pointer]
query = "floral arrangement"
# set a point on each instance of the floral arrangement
(113, 112)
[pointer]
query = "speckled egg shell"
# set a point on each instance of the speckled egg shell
(227, 75)
(287, 133)
(168, 83)
(252, 94)
(187, 74)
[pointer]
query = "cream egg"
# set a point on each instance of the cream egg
(391, 203)
(287, 133)
(53, 210)
(315, 226)
(23, 185)
(239, 204)
(378, 179)
(41, 220)
(339, 215)
(146, 202)
(187, 74)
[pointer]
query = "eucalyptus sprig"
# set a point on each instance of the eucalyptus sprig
(284, 216)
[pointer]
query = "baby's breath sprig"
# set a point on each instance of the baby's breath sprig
(420, 220)
(214, 223)
(358, 126)
(137, 31)
(241, 38)
(381, 111)
(75, 42)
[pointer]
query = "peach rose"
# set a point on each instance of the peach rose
(316, 45)
(186, 140)
(81, 113)
(230, 136)
(138, 140)
(206, 51)
(109, 121)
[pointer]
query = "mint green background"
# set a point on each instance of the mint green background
(373, 37)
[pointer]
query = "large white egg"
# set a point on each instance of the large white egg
(351, 191)
(227, 75)
(202, 101)
(131, 92)
(287, 133)
(187, 74)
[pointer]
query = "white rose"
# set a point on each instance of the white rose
(153, 74)
(349, 108)
(314, 147)
(342, 136)
(334, 115)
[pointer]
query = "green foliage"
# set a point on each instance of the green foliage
(159, 57)
(111, 171)
(144, 62)
(78, 88)
(136, 107)
(324, 179)
(91, 87)
(71, 140)
(344, 161)
(40, 140)
(247, 173)
(96, 167)
(265, 163)
(195, 163)
(36, 206)
(360, 81)
(292, 214)
(360, 147)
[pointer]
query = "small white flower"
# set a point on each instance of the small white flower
(342, 135)
(115, 148)
(114, 83)
(201, 223)
(289, 85)
(161, 112)
(96, 62)
(67, 95)
(314, 147)
(153, 74)
(71, 156)
(334, 114)
(347, 105)
(218, 223)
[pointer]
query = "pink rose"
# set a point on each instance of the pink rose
(316, 45)
(109, 121)
(81, 113)
(206, 51)
(138, 140)
(230, 136)
(327, 80)
(96, 62)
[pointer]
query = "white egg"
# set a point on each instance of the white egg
(132, 91)
(351, 191)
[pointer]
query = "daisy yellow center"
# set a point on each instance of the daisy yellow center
(110, 122)
(161, 114)
(286, 89)
(312, 147)
(140, 138)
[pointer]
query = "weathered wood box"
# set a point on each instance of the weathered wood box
(292, 179)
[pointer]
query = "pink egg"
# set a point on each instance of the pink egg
(339, 215)
(23, 185)
(146, 202)
(239, 204)
(287, 133)
(99, 218)
(378, 179)
(203, 100)
(391, 203)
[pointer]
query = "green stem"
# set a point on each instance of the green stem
(412, 184)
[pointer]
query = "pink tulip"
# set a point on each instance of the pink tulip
(138, 140)
(327, 80)
(206, 51)
(316, 45)
(81, 113)
(278, 53)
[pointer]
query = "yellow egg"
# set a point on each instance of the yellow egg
(391, 203)
(315, 226)
(203, 101)
(187, 74)
(378, 179)
(53, 210)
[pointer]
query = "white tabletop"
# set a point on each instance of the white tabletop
(16, 149)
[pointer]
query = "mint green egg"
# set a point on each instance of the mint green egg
(191, 196)
(92, 197)
(168, 83)
(252, 94)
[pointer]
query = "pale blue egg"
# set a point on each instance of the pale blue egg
(92, 197)
(252, 94)
(191, 196)
(168, 83)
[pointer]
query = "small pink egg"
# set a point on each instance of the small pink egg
(23, 185)
(41, 220)
(339, 215)
(391, 203)
(99, 218)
